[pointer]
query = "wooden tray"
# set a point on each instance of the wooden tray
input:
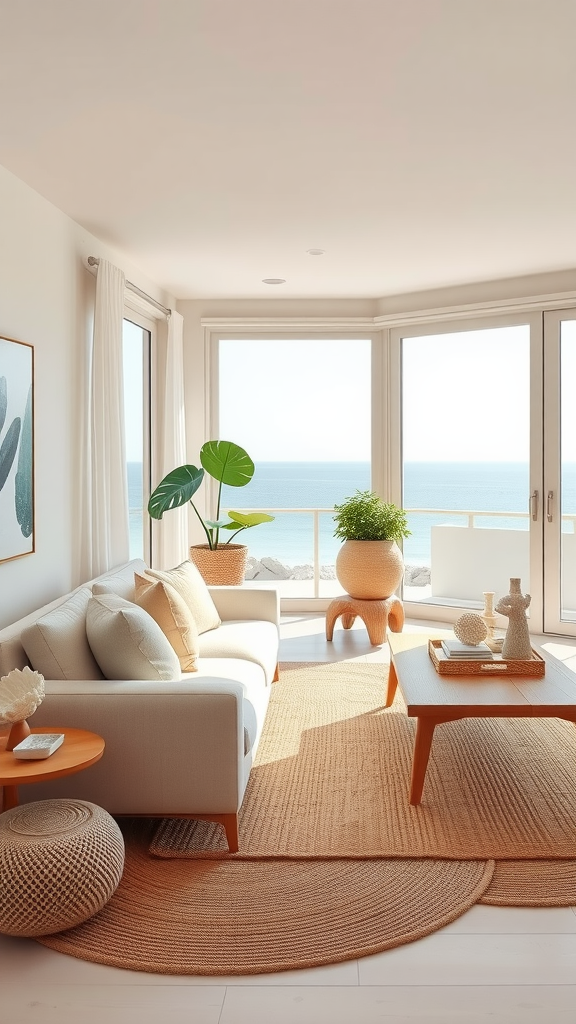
(497, 666)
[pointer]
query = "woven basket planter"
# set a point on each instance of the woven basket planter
(224, 566)
(369, 570)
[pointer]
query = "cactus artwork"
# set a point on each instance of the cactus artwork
(16, 449)
(9, 445)
(23, 482)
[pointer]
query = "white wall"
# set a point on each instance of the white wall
(46, 296)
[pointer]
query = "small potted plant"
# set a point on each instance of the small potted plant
(369, 564)
(220, 562)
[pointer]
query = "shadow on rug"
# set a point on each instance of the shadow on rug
(332, 771)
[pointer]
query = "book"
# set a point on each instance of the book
(474, 652)
(38, 746)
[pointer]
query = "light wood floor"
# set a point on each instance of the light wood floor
(491, 966)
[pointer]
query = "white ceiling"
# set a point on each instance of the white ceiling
(420, 143)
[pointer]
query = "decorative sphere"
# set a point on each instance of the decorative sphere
(470, 628)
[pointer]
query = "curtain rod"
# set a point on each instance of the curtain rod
(93, 261)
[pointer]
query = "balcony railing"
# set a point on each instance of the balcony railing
(471, 517)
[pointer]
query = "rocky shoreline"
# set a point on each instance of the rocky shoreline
(268, 568)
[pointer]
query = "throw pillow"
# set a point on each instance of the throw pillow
(127, 643)
(186, 579)
(56, 644)
(173, 615)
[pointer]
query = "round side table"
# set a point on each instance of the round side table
(79, 750)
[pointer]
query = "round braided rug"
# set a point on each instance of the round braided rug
(532, 883)
(250, 917)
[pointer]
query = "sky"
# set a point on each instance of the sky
(465, 397)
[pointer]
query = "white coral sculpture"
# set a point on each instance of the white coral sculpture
(21, 692)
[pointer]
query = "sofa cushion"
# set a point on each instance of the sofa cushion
(186, 579)
(126, 641)
(56, 644)
(172, 614)
(253, 641)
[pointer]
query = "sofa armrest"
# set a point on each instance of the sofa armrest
(170, 747)
(247, 603)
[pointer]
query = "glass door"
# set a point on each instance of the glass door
(470, 458)
(560, 472)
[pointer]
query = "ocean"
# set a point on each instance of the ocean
(482, 487)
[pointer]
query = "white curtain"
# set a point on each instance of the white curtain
(107, 535)
(171, 534)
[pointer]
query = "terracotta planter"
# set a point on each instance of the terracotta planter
(224, 566)
(369, 570)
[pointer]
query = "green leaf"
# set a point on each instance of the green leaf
(8, 449)
(216, 524)
(248, 519)
(174, 490)
(227, 463)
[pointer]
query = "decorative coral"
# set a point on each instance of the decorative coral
(21, 692)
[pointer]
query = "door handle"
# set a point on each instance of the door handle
(534, 505)
(549, 499)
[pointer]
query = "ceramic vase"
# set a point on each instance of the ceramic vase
(517, 645)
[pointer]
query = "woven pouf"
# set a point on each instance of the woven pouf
(60, 862)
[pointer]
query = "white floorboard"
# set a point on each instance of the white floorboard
(493, 965)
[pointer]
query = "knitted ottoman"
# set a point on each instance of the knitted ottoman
(60, 862)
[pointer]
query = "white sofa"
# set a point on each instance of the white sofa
(173, 749)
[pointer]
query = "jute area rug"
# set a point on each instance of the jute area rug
(209, 917)
(332, 773)
(334, 863)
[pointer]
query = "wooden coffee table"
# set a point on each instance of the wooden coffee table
(433, 699)
(79, 750)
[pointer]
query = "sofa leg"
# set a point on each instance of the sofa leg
(230, 823)
(276, 676)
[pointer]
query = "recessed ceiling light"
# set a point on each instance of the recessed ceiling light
(273, 280)
(315, 252)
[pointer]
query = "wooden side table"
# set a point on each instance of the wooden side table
(376, 616)
(79, 750)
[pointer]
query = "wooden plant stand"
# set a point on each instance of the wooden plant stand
(376, 615)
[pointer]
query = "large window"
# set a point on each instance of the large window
(136, 352)
(466, 462)
(302, 410)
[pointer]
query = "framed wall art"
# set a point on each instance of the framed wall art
(16, 449)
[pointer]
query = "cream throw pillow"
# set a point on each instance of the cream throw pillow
(127, 643)
(186, 579)
(56, 644)
(173, 615)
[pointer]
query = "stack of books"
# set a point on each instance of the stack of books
(455, 650)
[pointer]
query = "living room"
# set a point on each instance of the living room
(205, 147)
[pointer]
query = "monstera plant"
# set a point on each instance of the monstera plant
(226, 463)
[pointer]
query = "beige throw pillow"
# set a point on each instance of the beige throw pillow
(173, 615)
(127, 643)
(186, 579)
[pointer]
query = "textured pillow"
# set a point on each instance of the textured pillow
(173, 616)
(56, 644)
(127, 643)
(186, 579)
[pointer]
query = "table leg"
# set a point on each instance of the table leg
(424, 732)
(392, 686)
(9, 796)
